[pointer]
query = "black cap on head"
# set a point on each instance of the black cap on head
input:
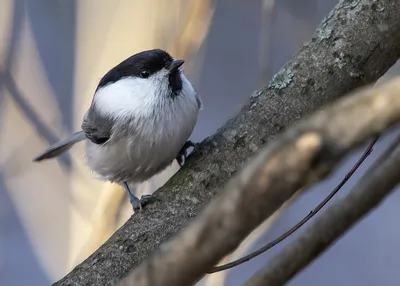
(143, 65)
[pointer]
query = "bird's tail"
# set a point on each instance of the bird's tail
(60, 147)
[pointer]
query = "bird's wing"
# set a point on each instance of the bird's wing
(97, 127)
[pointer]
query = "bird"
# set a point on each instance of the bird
(139, 121)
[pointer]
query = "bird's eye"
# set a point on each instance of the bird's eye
(144, 73)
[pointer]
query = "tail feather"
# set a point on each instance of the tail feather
(60, 147)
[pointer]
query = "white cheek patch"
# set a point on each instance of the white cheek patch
(131, 96)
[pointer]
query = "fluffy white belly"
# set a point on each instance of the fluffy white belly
(120, 162)
(135, 157)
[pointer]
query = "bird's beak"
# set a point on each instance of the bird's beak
(176, 64)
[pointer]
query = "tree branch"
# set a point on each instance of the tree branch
(372, 188)
(355, 45)
(297, 158)
(296, 227)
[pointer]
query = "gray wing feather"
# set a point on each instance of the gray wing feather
(60, 147)
(97, 127)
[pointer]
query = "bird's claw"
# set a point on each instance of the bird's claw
(182, 155)
(139, 204)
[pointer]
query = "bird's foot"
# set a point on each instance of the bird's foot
(139, 204)
(182, 155)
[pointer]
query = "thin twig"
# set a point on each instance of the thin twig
(266, 39)
(312, 213)
(374, 186)
(249, 241)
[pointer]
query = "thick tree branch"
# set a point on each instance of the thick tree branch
(372, 188)
(355, 45)
(303, 154)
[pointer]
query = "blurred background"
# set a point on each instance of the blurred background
(52, 55)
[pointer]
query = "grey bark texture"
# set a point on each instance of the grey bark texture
(299, 157)
(381, 178)
(355, 45)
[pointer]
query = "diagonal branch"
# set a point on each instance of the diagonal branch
(300, 156)
(341, 56)
(372, 188)
(297, 226)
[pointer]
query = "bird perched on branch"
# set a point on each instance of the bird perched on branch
(141, 116)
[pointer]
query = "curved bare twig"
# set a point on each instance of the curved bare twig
(311, 214)
(374, 186)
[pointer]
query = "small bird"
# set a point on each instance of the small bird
(141, 116)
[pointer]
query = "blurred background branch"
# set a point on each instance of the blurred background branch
(299, 157)
(311, 214)
(376, 184)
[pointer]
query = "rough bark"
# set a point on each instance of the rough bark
(371, 190)
(300, 156)
(356, 44)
